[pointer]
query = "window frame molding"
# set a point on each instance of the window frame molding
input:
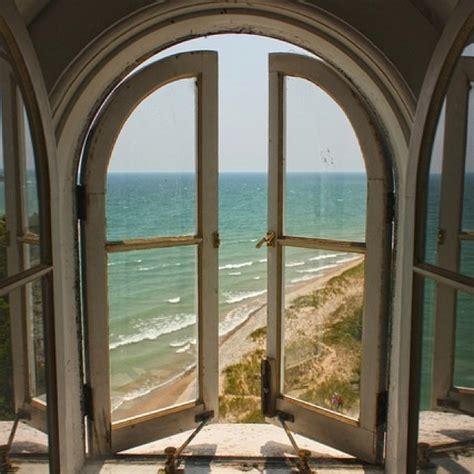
(83, 86)
(450, 46)
(106, 436)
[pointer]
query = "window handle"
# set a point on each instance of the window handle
(269, 239)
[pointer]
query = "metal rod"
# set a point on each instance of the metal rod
(289, 434)
(446, 277)
(191, 437)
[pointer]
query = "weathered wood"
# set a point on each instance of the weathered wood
(107, 438)
(323, 244)
(364, 440)
(151, 243)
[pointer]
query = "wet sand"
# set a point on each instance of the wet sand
(232, 347)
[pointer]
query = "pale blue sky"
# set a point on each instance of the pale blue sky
(159, 136)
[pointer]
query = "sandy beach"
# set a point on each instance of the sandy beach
(232, 347)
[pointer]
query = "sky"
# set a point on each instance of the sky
(160, 134)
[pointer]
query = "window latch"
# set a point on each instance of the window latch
(268, 239)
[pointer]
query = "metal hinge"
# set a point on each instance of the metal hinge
(382, 408)
(265, 391)
(81, 202)
(87, 398)
(390, 206)
(216, 240)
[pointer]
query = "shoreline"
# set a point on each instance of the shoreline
(232, 347)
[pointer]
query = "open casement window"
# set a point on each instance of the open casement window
(453, 386)
(27, 142)
(446, 254)
(182, 91)
(345, 410)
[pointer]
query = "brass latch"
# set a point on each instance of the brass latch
(269, 239)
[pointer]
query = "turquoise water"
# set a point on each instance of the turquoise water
(152, 293)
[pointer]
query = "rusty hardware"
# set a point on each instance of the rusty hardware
(265, 391)
(216, 240)
(269, 239)
(304, 455)
(5, 464)
(441, 236)
(173, 455)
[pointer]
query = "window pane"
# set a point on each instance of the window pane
(467, 258)
(434, 190)
(468, 211)
(151, 183)
(31, 223)
(6, 369)
(3, 216)
(464, 352)
(35, 328)
(325, 182)
(153, 329)
(324, 293)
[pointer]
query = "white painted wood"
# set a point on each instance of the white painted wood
(337, 431)
(450, 218)
(29, 79)
(107, 437)
(406, 346)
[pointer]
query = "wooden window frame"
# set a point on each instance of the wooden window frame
(362, 438)
(105, 436)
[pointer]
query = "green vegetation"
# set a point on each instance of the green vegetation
(240, 401)
(322, 352)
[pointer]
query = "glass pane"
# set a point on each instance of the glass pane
(434, 190)
(35, 322)
(31, 200)
(151, 181)
(429, 306)
(153, 329)
(464, 352)
(467, 258)
(6, 369)
(324, 293)
(468, 211)
(325, 182)
(3, 216)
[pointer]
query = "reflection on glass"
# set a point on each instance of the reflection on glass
(325, 182)
(468, 210)
(34, 304)
(464, 351)
(31, 223)
(151, 183)
(434, 190)
(3, 217)
(153, 329)
(429, 304)
(6, 369)
(324, 293)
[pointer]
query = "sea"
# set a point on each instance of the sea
(152, 293)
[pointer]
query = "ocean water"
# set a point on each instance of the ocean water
(152, 293)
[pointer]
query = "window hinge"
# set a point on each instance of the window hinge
(81, 202)
(390, 206)
(268, 404)
(216, 240)
(87, 400)
(382, 408)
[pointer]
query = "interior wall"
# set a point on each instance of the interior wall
(64, 28)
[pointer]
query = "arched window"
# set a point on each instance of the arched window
(151, 243)
(27, 344)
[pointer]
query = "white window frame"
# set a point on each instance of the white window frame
(108, 437)
(362, 438)
(446, 271)
(20, 92)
